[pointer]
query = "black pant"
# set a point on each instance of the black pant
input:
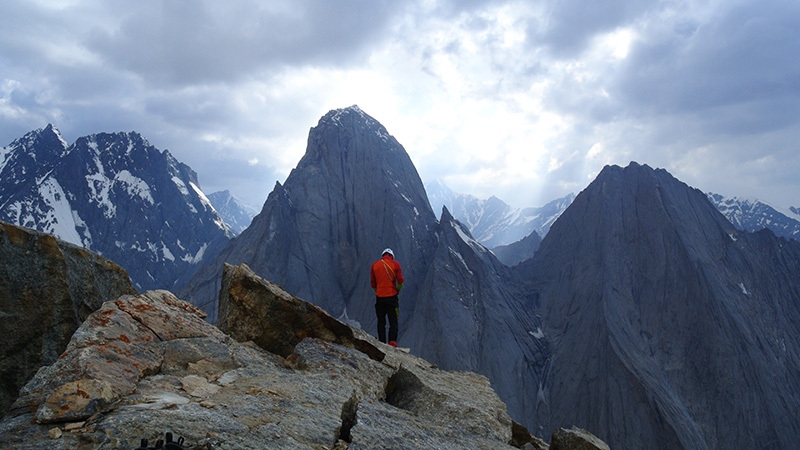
(387, 306)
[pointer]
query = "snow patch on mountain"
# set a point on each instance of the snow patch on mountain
(181, 186)
(469, 240)
(59, 218)
(491, 221)
(100, 187)
(200, 194)
(135, 186)
(749, 214)
(197, 256)
(460, 259)
(5, 154)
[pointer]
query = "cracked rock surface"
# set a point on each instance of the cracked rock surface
(145, 365)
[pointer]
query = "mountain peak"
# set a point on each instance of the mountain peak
(353, 120)
(25, 160)
(643, 273)
(354, 192)
(113, 193)
(352, 109)
(235, 213)
(42, 145)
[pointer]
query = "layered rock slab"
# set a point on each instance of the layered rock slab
(254, 309)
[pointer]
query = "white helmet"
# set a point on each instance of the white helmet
(389, 251)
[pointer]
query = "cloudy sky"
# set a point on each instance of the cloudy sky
(525, 100)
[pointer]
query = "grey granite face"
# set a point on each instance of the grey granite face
(667, 324)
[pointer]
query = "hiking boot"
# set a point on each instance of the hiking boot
(173, 445)
(393, 343)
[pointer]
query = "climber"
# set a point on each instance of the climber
(386, 278)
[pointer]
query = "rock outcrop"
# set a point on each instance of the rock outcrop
(142, 366)
(575, 438)
(250, 307)
(47, 289)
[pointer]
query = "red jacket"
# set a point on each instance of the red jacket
(386, 277)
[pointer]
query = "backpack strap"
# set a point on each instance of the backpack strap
(386, 265)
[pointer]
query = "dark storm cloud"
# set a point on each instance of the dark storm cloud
(189, 42)
(741, 67)
(569, 25)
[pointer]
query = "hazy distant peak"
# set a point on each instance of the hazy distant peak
(751, 214)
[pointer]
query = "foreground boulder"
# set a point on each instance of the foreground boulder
(254, 309)
(575, 438)
(47, 288)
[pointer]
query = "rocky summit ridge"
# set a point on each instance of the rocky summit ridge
(642, 297)
(296, 378)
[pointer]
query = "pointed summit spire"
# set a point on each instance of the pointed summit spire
(353, 193)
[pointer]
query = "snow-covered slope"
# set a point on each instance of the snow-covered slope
(235, 213)
(753, 215)
(493, 222)
(115, 194)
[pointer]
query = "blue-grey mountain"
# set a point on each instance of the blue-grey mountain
(669, 327)
(516, 252)
(645, 315)
(115, 194)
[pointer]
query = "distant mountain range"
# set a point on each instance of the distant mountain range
(492, 221)
(645, 315)
(354, 193)
(754, 215)
(508, 232)
(115, 194)
(232, 210)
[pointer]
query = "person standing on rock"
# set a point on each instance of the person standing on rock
(386, 278)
